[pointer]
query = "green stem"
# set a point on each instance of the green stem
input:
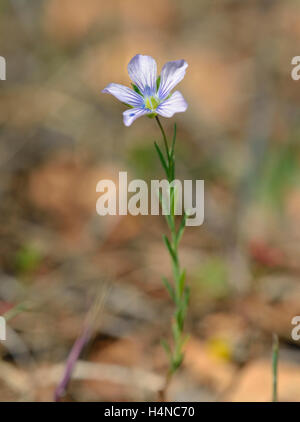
(164, 138)
(180, 291)
(275, 350)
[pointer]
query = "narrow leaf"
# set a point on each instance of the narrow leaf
(181, 282)
(179, 315)
(136, 89)
(181, 228)
(167, 348)
(176, 332)
(177, 362)
(275, 350)
(168, 216)
(127, 105)
(157, 83)
(169, 288)
(187, 296)
(170, 249)
(161, 157)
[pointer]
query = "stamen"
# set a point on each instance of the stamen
(151, 103)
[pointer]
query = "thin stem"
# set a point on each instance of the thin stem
(164, 136)
(163, 392)
(275, 350)
(178, 291)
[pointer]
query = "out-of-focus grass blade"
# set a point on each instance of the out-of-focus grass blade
(16, 310)
(275, 350)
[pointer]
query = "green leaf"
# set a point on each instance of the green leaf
(181, 228)
(180, 318)
(167, 348)
(177, 362)
(127, 105)
(187, 297)
(169, 247)
(136, 89)
(167, 216)
(170, 289)
(157, 83)
(172, 200)
(176, 332)
(181, 282)
(275, 350)
(161, 157)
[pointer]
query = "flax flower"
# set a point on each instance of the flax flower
(151, 95)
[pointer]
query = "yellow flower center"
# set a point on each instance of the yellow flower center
(151, 103)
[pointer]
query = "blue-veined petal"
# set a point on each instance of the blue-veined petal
(172, 73)
(124, 94)
(175, 104)
(130, 115)
(143, 72)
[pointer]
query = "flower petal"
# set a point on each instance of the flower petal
(175, 104)
(143, 72)
(129, 116)
(172, 73)
(124, 94)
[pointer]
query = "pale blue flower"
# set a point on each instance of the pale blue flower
(151, 95)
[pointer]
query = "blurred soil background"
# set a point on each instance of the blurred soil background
(59, 259)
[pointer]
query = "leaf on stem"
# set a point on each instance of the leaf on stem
(162, 160)
(176, 332)
(172, 199)
(177, 362)
(181, 228)
(170, 289)
(167, 348)
(187, 296)
(181, 282)
(170, 249)
(179, 315)
(168, 216)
